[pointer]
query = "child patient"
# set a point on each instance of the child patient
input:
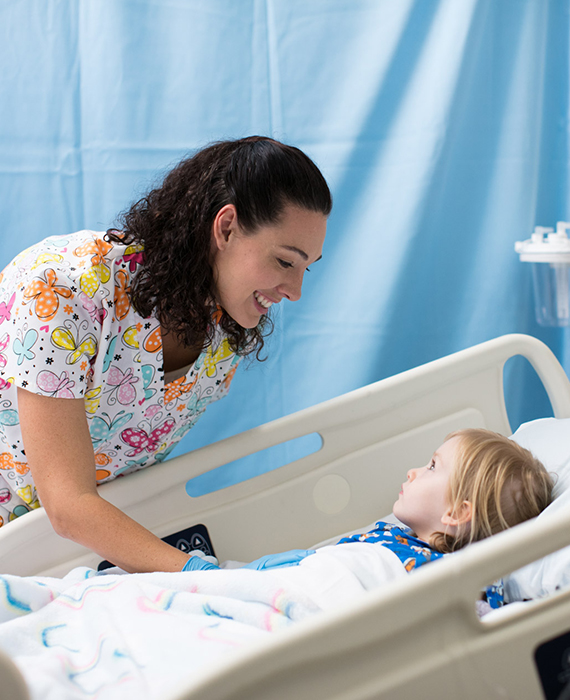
(476, 484)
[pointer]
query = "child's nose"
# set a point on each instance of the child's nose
(411, 474)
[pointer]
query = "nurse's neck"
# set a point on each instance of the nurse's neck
(176, 355)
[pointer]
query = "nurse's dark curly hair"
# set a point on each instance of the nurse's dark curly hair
(173, 222)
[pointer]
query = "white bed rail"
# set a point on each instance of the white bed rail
(415, 638)
(370, 436)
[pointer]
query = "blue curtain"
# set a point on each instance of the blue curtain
(441, 126)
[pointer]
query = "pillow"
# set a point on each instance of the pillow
(549, 440)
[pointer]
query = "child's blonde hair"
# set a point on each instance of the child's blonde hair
(503, 481)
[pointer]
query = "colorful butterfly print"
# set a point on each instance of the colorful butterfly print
(177, 388)
(153, 341)
(46, 293)
(228, 378)
(90, 281)
(5, 496)
(9, 417)
(211, 359)
(99, 272)
(61, 337)
(44, 258)
(196, 405)
(23, 348)
(109, 353)
(92, 399)
(132, 465)
(101, 429)
(102, 459)
(152, 410)
(6, 309)
(57, 241)
(131, 337)
(129, 464)
(140, 440)
(53, 385)
(97, 248)
(4, 341)
(122, 295)
(122, 383)
(7, 462)
(18, 511)
(26, 493)
(96, 313)
(6, 383)
(148, 376)
(161, 456)
(134, 256)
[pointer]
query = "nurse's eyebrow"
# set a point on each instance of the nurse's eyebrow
(300, 252)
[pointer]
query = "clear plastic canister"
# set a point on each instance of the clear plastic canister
(549, 255)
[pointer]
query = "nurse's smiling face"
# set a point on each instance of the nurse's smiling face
(253, 271)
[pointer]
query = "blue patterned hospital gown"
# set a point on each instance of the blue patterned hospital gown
(413, 552)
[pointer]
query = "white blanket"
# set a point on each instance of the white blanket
(115, 636)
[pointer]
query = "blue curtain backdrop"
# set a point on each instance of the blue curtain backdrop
(441, 126)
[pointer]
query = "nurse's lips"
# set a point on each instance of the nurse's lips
(263, 302)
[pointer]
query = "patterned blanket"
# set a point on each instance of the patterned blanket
(108, 636)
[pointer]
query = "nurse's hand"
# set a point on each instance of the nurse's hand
(276, 561)
(198, 564)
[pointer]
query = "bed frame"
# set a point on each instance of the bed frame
(419, 637)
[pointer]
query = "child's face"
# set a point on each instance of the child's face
(422, 504)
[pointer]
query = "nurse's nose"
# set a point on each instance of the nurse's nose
(291, 289)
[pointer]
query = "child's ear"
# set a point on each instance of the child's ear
(458, 516)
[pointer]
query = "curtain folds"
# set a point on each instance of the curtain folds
(441, 126)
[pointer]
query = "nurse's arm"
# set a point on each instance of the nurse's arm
(60, 455)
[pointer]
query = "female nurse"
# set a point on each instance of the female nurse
(113, 344)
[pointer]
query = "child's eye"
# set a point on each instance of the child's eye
(284, 263)
(431, 465)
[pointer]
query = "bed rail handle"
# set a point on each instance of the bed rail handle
(544, 363)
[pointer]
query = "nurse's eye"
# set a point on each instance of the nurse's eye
(284, 263)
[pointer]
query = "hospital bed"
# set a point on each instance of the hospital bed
(415, 638)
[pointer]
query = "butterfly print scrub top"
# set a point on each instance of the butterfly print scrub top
(67, 329)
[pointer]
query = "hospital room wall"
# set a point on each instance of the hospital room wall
(441, 126)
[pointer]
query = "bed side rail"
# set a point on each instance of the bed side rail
(417, 637)
(378, 431)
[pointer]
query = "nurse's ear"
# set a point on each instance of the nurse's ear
(458, 515)
(224, 226)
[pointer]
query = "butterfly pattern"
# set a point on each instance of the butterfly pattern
(68, 330)
(6, 309)
(140, 440)
(52, 385)
(120, 386)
